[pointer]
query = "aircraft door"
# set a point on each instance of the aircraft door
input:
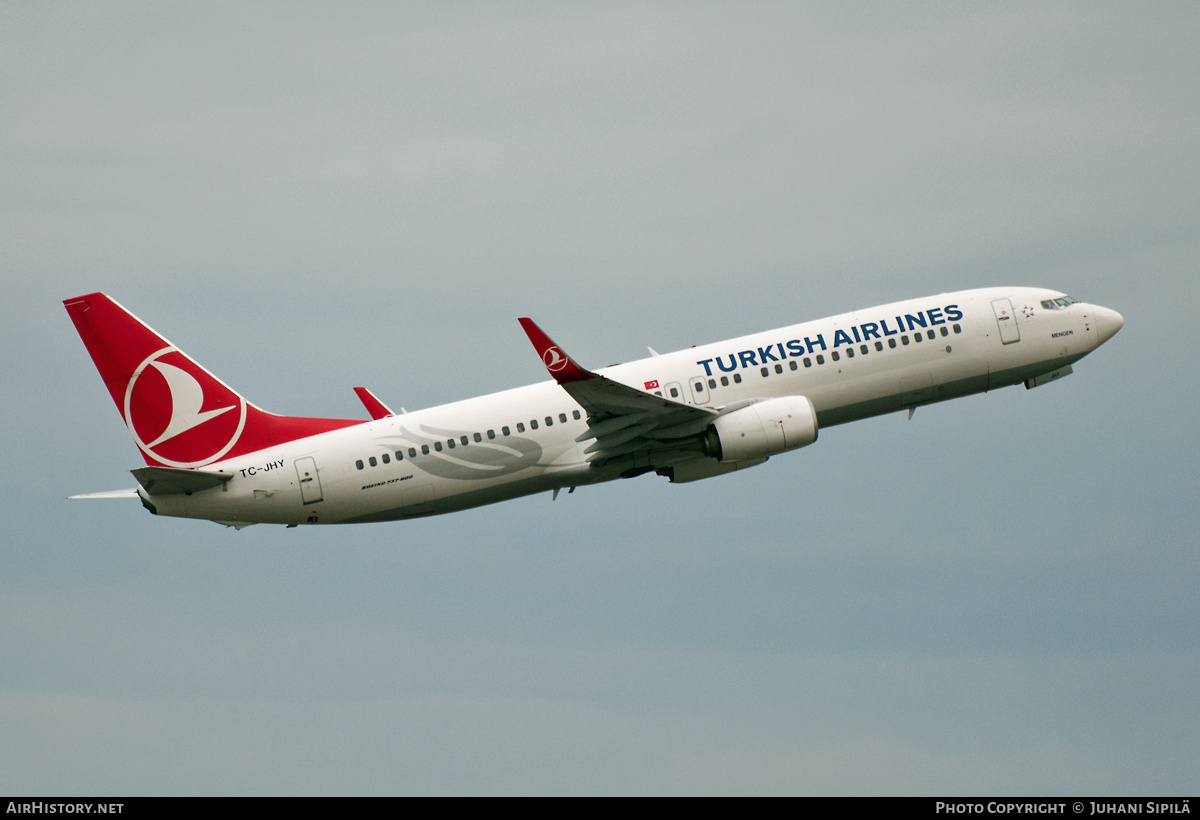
(1007, 321)
(310, 482)
(699, 390)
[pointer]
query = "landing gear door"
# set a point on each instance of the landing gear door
(310, 482)
(1007, 320)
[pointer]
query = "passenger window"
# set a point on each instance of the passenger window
(492, 434)
(463, 439)
(674, 392)
(807, 362)
(358, 464)
(387, 459)
(930, 334)
(778, 368)
(945, 332)
(533, 424)
(917, 337)
(724, 381)
(904, 339)
(372, 461)
(836, 356)
(957, 328)
(879, 346)
(504, 429)
(575, 414)
(820, 359)
(849, 353)
(792, 364)
(891, 342)
(412, 452)
(477, 437)
(863, 349)
(562, 417)
(737, 378)
(437, 445)
(549, 421)
(765, 372)
(520, 427)
(450, 443)
(425, 449)
(399, 455)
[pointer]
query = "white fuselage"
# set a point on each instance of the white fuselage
(523, 441)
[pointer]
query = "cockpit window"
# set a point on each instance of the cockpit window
(1058, 304)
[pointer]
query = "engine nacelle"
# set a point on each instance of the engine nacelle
(763, 429)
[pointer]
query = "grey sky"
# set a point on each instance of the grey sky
(995, 597)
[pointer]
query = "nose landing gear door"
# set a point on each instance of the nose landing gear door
(310, 483)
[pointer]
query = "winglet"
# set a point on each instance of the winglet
(561, 366)
(375, 407)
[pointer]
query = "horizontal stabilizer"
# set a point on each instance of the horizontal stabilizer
(171, 480)
(109, 494)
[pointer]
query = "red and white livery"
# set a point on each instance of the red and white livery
(688, 415)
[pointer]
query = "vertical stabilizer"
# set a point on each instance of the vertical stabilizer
(178, 413)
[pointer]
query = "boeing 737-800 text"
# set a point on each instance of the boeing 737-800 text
(693, 414)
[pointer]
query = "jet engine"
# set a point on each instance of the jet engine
(762, 429)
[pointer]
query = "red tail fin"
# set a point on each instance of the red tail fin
(178, 413)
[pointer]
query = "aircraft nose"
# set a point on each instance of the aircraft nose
(1108, 322)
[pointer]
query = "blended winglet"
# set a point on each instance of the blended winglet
(561, 366)
(375, 407)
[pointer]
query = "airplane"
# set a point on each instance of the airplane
(693, 414)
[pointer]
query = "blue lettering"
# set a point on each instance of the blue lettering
(913, 321)
(935, 317)
(870, 331)
(841, 337)
(732, 364)
(707, 369)
(820, 341)
(782, 355)
(767, 355)
(887, 332)
(747, 358)
(796, 347)
(953, 313)
(855, 329)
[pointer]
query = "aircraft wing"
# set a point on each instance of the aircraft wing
(375, 407)
(622, 419)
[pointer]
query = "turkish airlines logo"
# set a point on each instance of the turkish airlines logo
(554, 359)
(180, 415)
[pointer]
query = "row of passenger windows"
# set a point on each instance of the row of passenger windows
(463, 441)
(836, 355)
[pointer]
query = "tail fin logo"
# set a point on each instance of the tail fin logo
(178, 413)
